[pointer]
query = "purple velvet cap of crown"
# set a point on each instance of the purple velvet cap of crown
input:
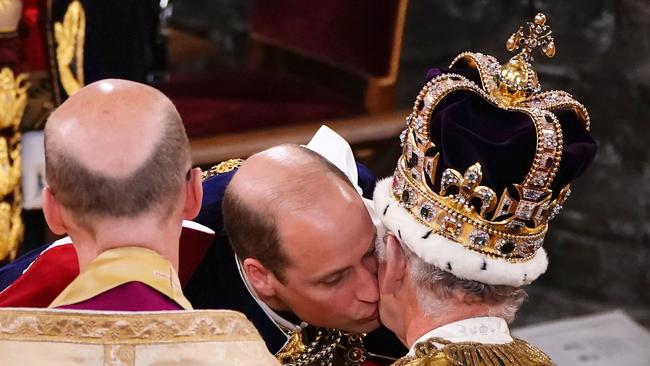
(468, 129)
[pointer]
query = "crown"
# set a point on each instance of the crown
(511, 224)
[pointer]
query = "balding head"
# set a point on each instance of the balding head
(287, 180)
(115, 148)
(304, 238)
(289, 177)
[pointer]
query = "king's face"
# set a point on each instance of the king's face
(330, 280)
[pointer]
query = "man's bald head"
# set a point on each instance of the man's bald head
(269, 178)
(283, 180)
(115, 148)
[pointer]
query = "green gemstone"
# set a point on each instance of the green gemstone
(426, 213)
(480, 239)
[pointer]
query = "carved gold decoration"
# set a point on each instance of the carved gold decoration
(13, 99)
(10, 165)
(517, 352)
(70, 36)
(5, 228)
(11, 226)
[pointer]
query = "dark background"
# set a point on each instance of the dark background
(599, 247)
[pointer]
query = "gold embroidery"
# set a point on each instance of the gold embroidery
(223, 167)
(70, 36)
(125, 328)
(293, 349)
(517, 352)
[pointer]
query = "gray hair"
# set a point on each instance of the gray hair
(434, 288)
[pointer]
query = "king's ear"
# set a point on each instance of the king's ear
(52, 212)
(394, 266)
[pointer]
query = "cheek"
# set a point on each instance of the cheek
(322, 301)
(381, 272)
(386, 314)
(371, 264)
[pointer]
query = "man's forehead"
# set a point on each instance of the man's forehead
(319, 241)
(285, 191)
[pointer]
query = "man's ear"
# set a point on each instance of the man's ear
(259, 277)
(52, 212)
(193, 195)
(394, 267)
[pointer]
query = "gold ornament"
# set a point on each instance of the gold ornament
(326, 347)
(13, 99)
(293, 349)
(5, 228)
(17, 231)
(517, 80)
(10, 165)
(70, 36)
(221, 168)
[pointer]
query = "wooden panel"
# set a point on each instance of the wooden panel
(356, 130)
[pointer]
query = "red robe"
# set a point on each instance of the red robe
(55, 268)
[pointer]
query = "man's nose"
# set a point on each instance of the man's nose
(367, 288)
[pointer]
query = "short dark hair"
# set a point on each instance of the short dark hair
(253, 232)
(155, 182)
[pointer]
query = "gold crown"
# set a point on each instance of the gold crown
(511, 226)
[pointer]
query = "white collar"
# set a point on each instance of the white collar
(487, 330)
(275, 317)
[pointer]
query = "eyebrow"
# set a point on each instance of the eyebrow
(368, 252)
